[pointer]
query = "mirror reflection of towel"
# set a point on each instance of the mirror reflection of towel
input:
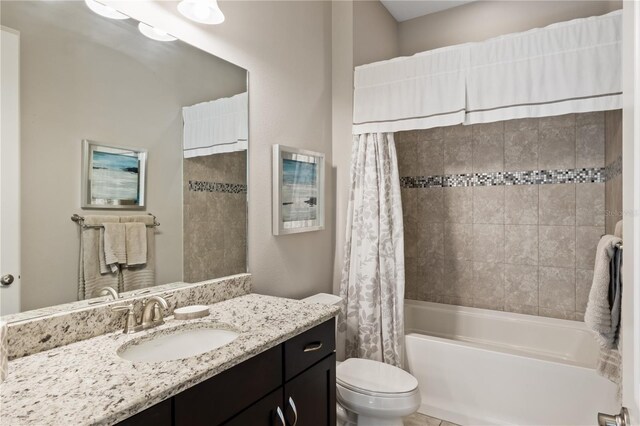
(136, 243)
(135, 277)
(115, 252)
(90, 276)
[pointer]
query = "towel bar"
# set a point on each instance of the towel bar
(80, 221)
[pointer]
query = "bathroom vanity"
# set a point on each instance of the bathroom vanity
(280, 367)
(293, 382)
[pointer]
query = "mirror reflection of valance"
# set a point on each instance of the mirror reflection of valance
(573, 66)
(216, 126)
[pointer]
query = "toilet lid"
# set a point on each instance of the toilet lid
(374, 376)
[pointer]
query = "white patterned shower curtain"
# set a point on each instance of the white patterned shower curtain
(371, 322)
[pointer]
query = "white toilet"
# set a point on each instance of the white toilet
(371, 393)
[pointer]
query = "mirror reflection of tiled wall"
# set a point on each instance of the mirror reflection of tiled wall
(507, 215)
(215, 216)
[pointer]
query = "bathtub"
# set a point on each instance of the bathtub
(476, 367)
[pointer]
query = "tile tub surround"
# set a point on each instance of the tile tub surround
(63, 327)
(613, 161)
(215, 215)
(87, 383)
(505, 215)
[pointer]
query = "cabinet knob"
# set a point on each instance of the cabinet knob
(295, 411)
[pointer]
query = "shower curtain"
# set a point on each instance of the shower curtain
(371, 321)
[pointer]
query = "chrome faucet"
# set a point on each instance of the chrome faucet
(108, 291)
(151, 313)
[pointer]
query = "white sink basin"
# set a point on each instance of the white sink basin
(179, 343)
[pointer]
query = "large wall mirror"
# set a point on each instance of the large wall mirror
(85, 77)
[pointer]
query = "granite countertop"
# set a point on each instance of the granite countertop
(88, 383)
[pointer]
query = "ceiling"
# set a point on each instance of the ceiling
(403, 10)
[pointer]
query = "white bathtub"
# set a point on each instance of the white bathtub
(476, 367)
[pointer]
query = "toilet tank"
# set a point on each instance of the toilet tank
(323, 298)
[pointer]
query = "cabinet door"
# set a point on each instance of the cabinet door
(218, 399)
(269, 411)
(310, 398)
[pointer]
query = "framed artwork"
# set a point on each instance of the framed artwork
(113, 177)
(298, 190)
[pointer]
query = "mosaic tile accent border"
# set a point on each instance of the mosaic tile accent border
(230, 188)
(530, 177)
(614, 169)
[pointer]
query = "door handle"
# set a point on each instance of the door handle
(6, 279)
(621, 419)
(295, 411)
(280, 416)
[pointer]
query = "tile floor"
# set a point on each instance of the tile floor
(418, 419)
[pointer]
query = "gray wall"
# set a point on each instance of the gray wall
(527, 247)
(99, 79)
(481, 20)
(375, 33)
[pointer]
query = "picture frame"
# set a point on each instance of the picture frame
(298, 190)
(113, 177)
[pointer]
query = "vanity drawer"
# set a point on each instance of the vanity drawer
(304, 350)
(222, 396)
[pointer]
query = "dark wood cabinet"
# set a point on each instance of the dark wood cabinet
(216, 400)
(304, 350)
(292, 383)
(310, 398)
(266, 412)
(158, 415)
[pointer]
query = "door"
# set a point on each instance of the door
(310, 398)
(10, 172)
(630, 320)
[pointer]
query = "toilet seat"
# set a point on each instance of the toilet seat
(375, 378)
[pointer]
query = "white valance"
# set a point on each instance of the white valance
(425, 90)
(573, 66)
(216, 126)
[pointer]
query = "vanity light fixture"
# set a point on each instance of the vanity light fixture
(154, 33)
(104, 10)
(202, 11)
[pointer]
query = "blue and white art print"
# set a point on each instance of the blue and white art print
(113, 176)
(299, 190)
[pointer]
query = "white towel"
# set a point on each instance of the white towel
(598, 313)
(618, 231)
(114, 239)
(136, 243)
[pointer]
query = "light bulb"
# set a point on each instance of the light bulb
(202, 11)
(155, 33)
(104, 10)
